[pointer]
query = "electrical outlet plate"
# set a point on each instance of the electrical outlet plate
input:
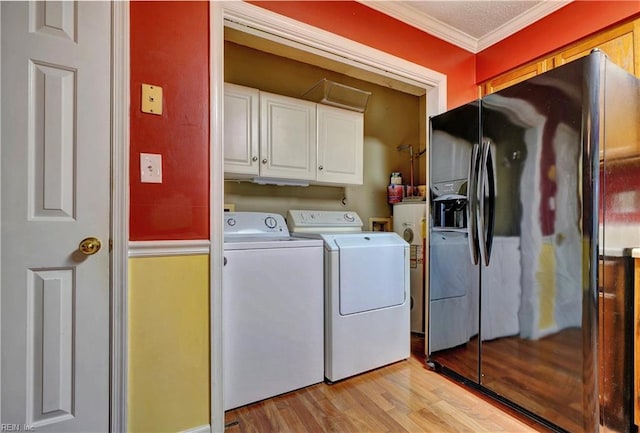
(150, 168)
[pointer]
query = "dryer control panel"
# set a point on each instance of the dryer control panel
(320, 221)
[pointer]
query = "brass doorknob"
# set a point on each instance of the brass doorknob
(89, 246)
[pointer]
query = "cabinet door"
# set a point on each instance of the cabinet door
(340, 143)
(287, 137)
(513, 77)
(619, 44)
(241, 105)
(615, 354)
(622, 46)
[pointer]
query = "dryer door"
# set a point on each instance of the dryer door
(373, 272)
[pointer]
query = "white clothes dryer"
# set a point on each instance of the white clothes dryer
(272, 313)
(367, 305)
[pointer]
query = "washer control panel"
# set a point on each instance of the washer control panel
(254, 223)
(323, 221)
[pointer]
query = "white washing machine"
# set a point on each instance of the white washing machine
(409, 222)
(272, 314)
(366, 292)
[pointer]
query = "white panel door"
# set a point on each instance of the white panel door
(340, 145)
(55, 169)
(287, 137)
(241, 129)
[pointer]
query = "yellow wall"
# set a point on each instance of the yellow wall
(392, 118)
(168, 382)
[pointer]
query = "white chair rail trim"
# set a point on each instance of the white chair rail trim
(168, 248)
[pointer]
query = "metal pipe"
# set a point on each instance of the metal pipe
(410, 147)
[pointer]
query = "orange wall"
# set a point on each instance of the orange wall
(170, 48)
(362, 24)
(464, 70)
(569, 24)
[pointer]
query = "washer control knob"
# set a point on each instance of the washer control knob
(231, 222)
(270, 222)
(349, 217)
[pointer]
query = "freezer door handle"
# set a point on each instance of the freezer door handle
(486, 202)
(491, 184)
(472, 196)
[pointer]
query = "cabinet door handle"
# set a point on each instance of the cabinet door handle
(225, 261)
(264, 161)
(254, 159)
(320, 168)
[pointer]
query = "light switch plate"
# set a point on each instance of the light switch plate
(151, 99)
(150, 168)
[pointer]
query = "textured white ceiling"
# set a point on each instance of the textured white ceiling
(470, 24)
(475, 18)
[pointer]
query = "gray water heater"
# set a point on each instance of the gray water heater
(409, 223)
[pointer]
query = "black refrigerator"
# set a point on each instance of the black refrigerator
(517, 241)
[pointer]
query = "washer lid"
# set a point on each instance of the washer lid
(254, 243)
(367, 240)
(336, 241)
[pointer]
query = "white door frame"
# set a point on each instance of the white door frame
(0, 206)
(120, 107)
(313, 40)
(119, 212)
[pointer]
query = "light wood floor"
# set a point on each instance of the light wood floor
(403, 397)
(523, 370)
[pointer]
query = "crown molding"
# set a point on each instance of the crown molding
(534, 14)
(404, 12)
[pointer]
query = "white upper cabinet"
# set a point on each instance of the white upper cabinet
(279, 137)
(241, 138)
(340, 145)
(287, 137)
